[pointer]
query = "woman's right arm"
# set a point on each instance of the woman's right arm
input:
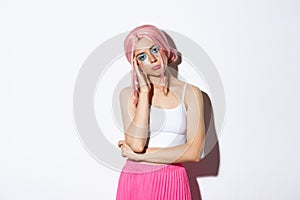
(135, 119)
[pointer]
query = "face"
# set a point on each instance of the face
(148, 55)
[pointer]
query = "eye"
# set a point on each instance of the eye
(142, 57)
(155, 49)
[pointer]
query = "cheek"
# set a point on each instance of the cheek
(142, 67)
(143, 63)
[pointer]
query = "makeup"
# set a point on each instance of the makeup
(156, 67)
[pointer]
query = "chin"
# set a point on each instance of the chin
(154, 74)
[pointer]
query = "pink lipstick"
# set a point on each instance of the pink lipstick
(156, 67)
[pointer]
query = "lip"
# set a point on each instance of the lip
(156, 67)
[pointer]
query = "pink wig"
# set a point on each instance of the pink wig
(156, 36)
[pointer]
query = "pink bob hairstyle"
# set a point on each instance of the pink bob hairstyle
(156, 36)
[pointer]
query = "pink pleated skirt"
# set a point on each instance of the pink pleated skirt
(140, 181)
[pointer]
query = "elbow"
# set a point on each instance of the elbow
(137, 149)
(136, 145)
(196, 159)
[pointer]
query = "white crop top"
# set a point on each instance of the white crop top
(168, 126)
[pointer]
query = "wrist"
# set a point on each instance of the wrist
(139, 157)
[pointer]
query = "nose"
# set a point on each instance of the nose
(152, 58)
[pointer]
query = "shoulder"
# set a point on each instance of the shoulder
(125, 93)
(192, 89)
(193, 95)
(126, 90)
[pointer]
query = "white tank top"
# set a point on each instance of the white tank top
(168, 126)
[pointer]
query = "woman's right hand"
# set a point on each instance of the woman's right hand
(143, 81)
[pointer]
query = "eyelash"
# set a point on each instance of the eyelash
(140, 57)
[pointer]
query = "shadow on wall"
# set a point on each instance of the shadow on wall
(210, 163)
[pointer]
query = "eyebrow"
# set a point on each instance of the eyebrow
(143, 52)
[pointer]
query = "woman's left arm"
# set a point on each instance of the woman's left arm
(188, 152)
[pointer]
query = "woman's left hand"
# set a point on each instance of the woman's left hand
(128, 152)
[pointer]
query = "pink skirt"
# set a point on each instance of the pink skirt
(153, 182)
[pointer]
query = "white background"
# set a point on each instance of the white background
(255, 46)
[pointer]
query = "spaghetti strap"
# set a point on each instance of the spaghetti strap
(183, 93)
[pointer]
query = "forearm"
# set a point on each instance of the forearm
(176, 154)
(137, 133)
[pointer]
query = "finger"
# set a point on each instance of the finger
(140, 76)
(147, 79)
(137, 69)
(120, 143)
(122, 150)
(126, 146)
(123, 154)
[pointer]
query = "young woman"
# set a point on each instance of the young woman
(163, 122)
